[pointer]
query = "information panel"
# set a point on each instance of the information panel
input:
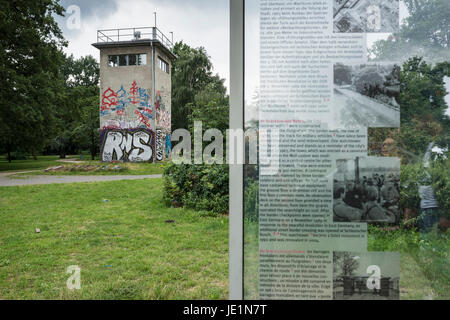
(319, 190)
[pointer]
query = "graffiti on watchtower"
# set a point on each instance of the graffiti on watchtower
(109, 101)
(128, 132)
(159, 146)
(162, 114)
(163, 145)
(124, 109)
(135, 94)
(168, 146)
(127, 145)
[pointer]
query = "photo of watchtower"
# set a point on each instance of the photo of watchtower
(135, 94)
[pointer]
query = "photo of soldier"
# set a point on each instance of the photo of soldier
(373, 199)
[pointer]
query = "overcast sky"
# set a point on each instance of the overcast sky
(196, 22)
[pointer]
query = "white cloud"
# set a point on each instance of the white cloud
(204, 23)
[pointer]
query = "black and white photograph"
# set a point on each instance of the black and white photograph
(358, 16)
(367, 95)
(366, 275)
(367, 190)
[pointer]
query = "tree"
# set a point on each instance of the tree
(429, 22)
(422, 92)
(425, 33)
(211, 107)
(423, 107)
(76, 116)
(82, 72)
(30, 60)
(191, 74)
(342, 74)
(345, 262)
(86, 132)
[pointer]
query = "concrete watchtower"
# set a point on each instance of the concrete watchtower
(135, 94)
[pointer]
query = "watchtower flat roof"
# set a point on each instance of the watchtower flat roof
(138, 42)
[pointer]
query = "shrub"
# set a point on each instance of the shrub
(251, 201)
(440, 176)
(410, 176)
(413, 143)
(199, 187)
(430, 252)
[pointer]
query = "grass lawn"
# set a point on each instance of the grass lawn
(83, 168)
(251, 260)
(424, 261)
(43, 162)
(124, 246)
(97, 168)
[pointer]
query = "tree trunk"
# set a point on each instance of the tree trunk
(34, 156)
(9, 156)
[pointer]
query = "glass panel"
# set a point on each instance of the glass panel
(351, 102)
(123, 60)
(251, 172)
(164, 66)
(112, 61)
(132, 59)
(142, 59)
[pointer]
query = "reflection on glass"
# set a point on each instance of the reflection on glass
(123, 60)
(132, 60)
(142, 59)
(113, 61)
(127, 60)
(409, 210)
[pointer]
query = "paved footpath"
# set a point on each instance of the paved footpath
(9, 179)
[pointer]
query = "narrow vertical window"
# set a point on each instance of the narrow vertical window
(163, 65)
(112, 61)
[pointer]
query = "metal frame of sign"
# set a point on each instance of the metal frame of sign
(236, 233)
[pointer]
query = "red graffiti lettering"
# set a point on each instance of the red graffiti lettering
(143, 119)
(148, 110)
(134, 99)
(158, 100)
(109, 99)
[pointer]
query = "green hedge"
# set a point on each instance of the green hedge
(440, 175)
(251, 201)
(199, 187)
(410, 175)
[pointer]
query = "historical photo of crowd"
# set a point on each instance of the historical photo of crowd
(366, 16)
(367, 95)
(367, 190)
(366, 276)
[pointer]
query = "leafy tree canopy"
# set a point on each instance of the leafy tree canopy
(425, 32)
(30, 60)
(194, 86)
(423, 90)
(78, 116)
